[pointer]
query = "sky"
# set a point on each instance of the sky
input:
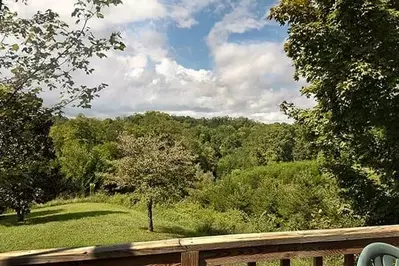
(202, 58)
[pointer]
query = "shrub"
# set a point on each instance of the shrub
(280, 196)
(205, 221)
(126, 200)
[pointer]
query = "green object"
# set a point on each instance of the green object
(92, 187)
(379, 254)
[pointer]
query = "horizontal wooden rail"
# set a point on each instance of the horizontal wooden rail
(217, 250)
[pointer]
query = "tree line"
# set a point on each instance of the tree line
(157, 155)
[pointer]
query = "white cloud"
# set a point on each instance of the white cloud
(251, 61)
(146, 41)
(183, 11)
(240, 20)
(257, 75)
(248, 78)
(131, 11)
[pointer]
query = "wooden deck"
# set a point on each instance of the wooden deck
(217, 250)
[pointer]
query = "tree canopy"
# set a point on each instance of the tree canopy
(43, 52)
(348, 53)
(26, 150)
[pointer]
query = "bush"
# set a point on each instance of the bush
(280, 196)
(126, 200)
(205, 221)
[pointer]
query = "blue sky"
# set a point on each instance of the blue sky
(189, 57)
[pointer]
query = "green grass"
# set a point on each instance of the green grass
(76, 223)
(83, 224)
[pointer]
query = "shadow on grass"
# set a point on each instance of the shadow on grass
(49, 216)
(35, 214)
(11, 216)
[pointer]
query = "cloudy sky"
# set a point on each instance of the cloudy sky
(201, 58)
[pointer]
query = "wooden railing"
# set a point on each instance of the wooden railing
(218, 250)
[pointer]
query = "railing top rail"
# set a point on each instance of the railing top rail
(202, 244)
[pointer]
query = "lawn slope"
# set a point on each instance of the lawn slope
(83, 224)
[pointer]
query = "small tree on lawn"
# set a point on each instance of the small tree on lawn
(157, 167)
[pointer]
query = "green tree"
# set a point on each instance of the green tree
(156, 167)
(37, 54)
(271, 143)
(42, 52)
(84, 147)
(26, 150)
(348, 52)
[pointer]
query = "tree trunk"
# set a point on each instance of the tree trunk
(20, 216)
(149, 212)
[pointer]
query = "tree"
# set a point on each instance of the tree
(83, 147)
(25, 150)
(43, 52)
(37, 54)
(270, 143)
(348, 53)
(155, 166)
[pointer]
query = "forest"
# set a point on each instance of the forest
(266, 176)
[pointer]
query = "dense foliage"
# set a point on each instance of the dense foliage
(348, 53)
(230, 174)
(280, 196)
(240, 169)
(26, 151)
(86, 146)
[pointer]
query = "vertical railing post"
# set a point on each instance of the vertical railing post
(285, 262)
(190, 258)
(349, 260)
(318, 261)
(251, 263)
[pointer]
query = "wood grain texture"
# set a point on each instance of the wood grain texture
(318, 261)
(242, 247)
(349, 260)
(172, 259)
(265, 253)
(190, 258)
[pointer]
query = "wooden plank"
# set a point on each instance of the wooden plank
(349, 260)
(310, 236)
(318, 261)
(172, 259)
(240, 255)
(190, 258)
(216, 243)
(285, 262)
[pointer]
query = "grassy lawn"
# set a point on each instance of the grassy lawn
(87, 224)
(83, 224)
